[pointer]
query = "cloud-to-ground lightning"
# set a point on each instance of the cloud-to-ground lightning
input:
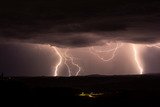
(68, 68)
(136, 57)
(73, 63)
(109, 49)
(63, 59)
(59, 62)
(113, 52)
(137, 60)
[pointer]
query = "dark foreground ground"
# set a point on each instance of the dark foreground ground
(115, 91)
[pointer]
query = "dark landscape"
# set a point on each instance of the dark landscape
(131, 90)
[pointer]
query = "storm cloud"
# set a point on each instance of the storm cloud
(79, 23)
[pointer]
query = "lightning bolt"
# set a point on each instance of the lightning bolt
(114, 50)
(73, 63)
(63, 56)
(98, 52)
(69, 70)
(137, 60)
(154, 45)
(59, 62)
(68, 60)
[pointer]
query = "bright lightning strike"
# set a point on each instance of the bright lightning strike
(69, 70)
(137, 60)
(73, 63)
(136, 55)
(64, 58)
(59, 62)
(108, 49)
(154, 45)
(112, 50)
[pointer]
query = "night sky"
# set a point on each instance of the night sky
(31, 31)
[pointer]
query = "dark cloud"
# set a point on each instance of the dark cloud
(80, 23)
